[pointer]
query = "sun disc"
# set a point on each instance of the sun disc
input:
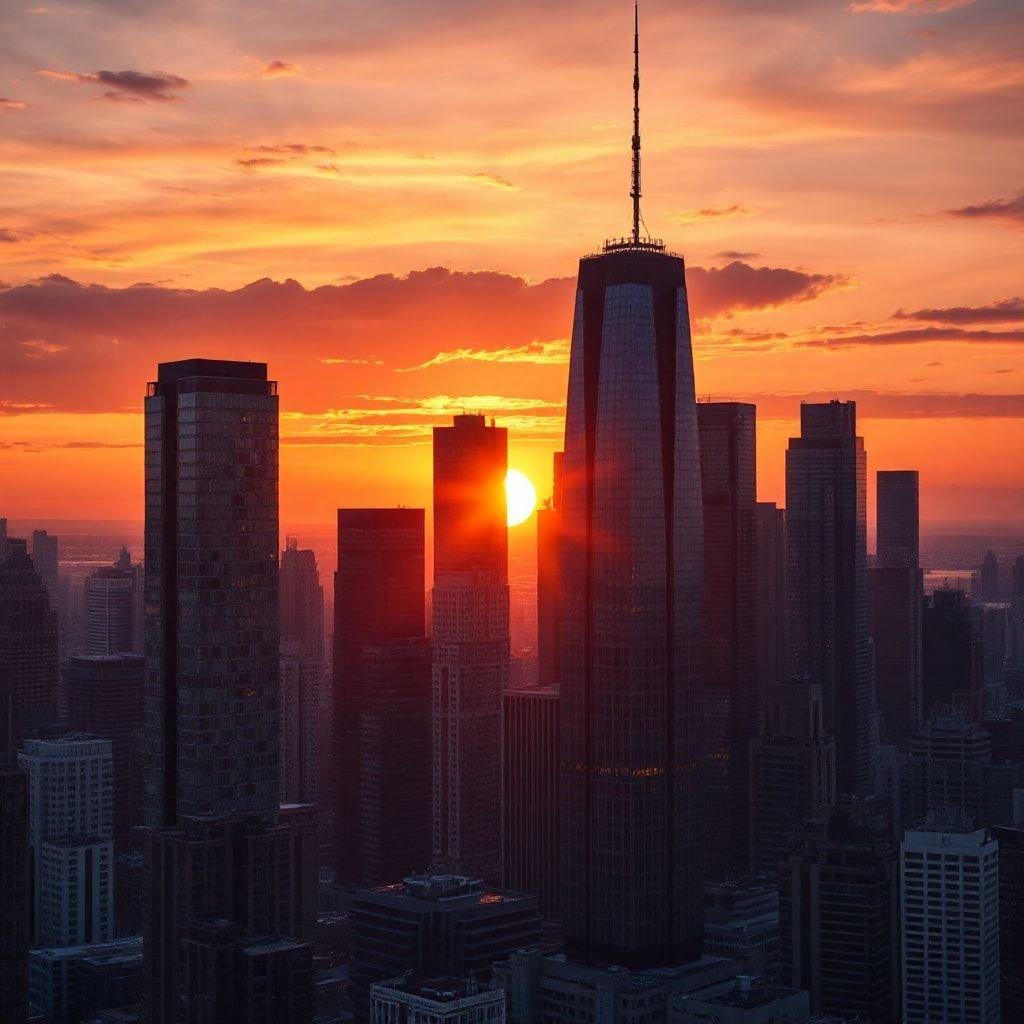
(520, 497)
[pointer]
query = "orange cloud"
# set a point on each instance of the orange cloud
(280, 69)
(906, 6)
(553, 353)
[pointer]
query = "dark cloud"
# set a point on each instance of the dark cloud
(917, 335)
(1011, 210)
(733, 254)
(280, 69)
(716, 290)
(291, 149)
(895, 405)
(1006, 311)
(6, 235)
(253, 162)
(126, 86)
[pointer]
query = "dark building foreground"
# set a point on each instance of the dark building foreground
(15, 892)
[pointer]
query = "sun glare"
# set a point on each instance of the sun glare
(520, 496)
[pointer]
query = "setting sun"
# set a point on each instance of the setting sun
(521, 496)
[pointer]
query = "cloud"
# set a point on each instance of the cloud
(280, 69)
(291, 149)
(341, 361)
(896, 405)
(906, 6)
(6, 103)
(126, 86)
(6, 235)
(732, 254)
(494, 180)
(37, 348)
(538, 352)
(253, 162)
(917, 335)
(738, 285)
(1006, 311)
(710, 213)
(1011, 210)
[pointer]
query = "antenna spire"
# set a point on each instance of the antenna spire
(635, 193)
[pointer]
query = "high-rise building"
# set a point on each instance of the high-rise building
(839, 915)
(772, 654)
(15, 891)
(793, 766)
(382, 700)
(29, 673)
(731, 707)
(105, 698)
(436, 1001)
(985, 585)
(826, 525)
(470, 635)
(741, 922)
(439, 925)
(950, 919)
(71, 832)
(111, 597)
(302, 599)
(951, 650)
(896, 585)
(217, 845)
(45, 557)
(530, 764)
(1010, 837)
(549, 584)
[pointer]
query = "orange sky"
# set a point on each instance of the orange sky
(387, 202)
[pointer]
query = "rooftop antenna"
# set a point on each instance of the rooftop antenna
(635, 193)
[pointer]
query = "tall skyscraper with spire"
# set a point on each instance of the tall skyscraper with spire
(631, 629)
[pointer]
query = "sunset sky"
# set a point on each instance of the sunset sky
(386, 202)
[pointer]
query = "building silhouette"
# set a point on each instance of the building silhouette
(112, 596)
(772, 653)
(15, 891)
(530, 777)
(896, 586)
(951, 651)
(218, 843)
(826, 524)
(436, 1001)
(950, 925)
(470, 636)
(105, 699)
(382, 702)
(46, 559)
(985, 585)
(727, 433)
(29, 644)
(1010, 837)
(71, 832)
(549, 584)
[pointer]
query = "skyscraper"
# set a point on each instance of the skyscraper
(530, 777)
(549, 584)
(381, 698)
(772, 654)
(731, 706)
(110, 602)
(829, 641)
(951, 650)
(632, 550)
(470, 627)
(986, 580)
(71, 831)
(1010, 837)
(29, 673)
(45, 557)
(15, 891)
(302, 600)
(216, 847)
(950, 918)
(896, 592)
(212, 687)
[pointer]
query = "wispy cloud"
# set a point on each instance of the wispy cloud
(540, 352)
(38, 348)
(710, 213)
(1006, 311)
(280, 69)
(126, 86)
(906, 6)
(1011, 210)
(6, 103)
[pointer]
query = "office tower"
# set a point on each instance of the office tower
(741, 922)
(28, 649)
(529, 828)
(1010, 837)
(46, 560)
(1015, 640)
(839, 915)
(216, 845)
(302, 599)
(441, 925)
(470, 634)
(793, 767)
(436, 1001)
(985, 585)
(111, 597)
(772, 654)
(70, 984)
(951, 650)
(632, 555)
(826, 525)
(549, 584)
(950, 914)
(382, 700)
(105, 698)
(15, 891)
(3, 538)
(895, 587)
(951, 769)
(71, 829)
(727, 432)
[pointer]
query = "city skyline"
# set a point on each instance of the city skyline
(839, 244)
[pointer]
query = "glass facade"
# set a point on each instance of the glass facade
(631, 630)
